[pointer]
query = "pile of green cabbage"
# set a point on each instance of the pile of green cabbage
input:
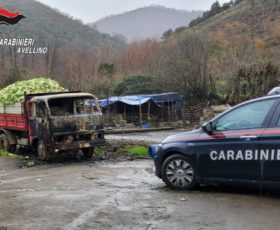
(15, 92)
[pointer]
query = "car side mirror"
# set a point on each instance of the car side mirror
(207, 127)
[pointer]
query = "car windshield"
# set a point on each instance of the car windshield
(241, 118)
(72, 106)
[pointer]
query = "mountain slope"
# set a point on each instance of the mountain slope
(145, 22)
(44, 23)
(258, 18)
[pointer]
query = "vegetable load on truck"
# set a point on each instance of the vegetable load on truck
(15, 92)
(12, 96)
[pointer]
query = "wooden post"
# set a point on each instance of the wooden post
(149, 109)
(124, 112)
(168, 111)
(172, 112)
(140, 113)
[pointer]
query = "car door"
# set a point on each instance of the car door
(270, 150)
(39, 120)
(228, 151)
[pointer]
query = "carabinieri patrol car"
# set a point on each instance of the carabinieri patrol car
(241, 145)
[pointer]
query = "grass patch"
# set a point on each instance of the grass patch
(10, 155)
(99, 152)
(138, 151)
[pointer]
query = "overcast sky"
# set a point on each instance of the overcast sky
(92, 10)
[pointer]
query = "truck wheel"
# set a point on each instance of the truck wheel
(178, 173)
(5, 144)
(88, 152)
(42, 151)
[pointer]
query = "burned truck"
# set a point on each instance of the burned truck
(52, 124)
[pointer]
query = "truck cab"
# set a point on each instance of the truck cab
(64, 122)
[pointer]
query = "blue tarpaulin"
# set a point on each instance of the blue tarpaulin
(159, 99)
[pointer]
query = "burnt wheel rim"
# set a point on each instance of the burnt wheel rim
(3, 143)
(179, 173)
(42, 151)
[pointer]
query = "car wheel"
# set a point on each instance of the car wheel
(178, 173)
(42, 151)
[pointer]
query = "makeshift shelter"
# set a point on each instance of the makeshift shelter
(144, 108)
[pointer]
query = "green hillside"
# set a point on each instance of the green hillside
(259, 18)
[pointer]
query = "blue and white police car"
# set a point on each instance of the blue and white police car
(242, 145)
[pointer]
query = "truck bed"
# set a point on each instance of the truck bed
(14, 122)
(13, 117)
(12, 109)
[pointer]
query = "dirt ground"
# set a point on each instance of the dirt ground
(122, 195)
(113, 194)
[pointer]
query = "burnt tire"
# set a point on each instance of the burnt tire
(88, 152)
(42, 152)
(5, 144)
(178, 173)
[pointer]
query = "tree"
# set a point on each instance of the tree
(136, 85)
(253, 3)
(259, 78)
(167, 34)
(180, 29)
(227, 5)
(106, 69)
(260, 44)
(52, 56)
(215, 8)
(238, 1)
(105, 74)
(13, 75)
(233, 47)
(138, 58)
(196, 21)
(183, 67)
